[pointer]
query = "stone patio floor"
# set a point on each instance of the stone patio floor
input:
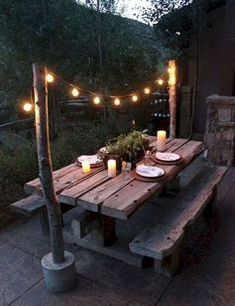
(207, 279)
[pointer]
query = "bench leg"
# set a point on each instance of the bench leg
(108, 228)
(171, 189)
(168, 266)
(174, 185)
(211, 206)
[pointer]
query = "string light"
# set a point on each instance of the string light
(147, 90)
(134, 98)
(117, 101)
(97, 100)
(27, 107)
(50, 78)
(75, 92)
(160, 82)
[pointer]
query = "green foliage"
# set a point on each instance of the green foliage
(176, 25)
(109, 6)
(159, 8)
(124, 144)
(63, 35)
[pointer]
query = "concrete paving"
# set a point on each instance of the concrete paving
(208, 276)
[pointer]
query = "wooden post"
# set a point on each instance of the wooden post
(172, 70)
(45, 164)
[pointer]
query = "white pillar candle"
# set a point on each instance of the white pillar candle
(161, 140)
(86, 168)
(161, 135)
(112, 171)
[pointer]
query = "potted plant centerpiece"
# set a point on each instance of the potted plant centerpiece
(124, 147)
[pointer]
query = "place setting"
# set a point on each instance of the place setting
(148, 170)
(86, 162)
(148, 173)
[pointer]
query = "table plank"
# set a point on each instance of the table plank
(96, 196)
(123, 203)
(72, 193)
(34, 185)
(93, 199)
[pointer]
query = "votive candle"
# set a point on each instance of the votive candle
(112, 168)
(86, 167)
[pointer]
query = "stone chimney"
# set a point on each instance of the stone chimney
(227, 71)
(220, 129)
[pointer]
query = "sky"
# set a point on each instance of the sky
(130, 8)
(133, 8)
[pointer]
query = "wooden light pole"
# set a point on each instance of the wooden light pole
(58, 266)
(172, 71)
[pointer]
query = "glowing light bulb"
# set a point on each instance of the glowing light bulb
(75, 92)
(160, 82)
(50, 78)
(27, 107)
(96, 100)
(134, 98)
(147, 90)
(117, 101)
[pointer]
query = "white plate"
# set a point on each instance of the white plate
(166, 156)
(93, 159)
(149, 171)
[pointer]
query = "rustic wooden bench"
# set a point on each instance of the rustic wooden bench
(162, 241)
(30, 206)
(35, 204)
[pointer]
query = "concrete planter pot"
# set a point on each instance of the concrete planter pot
(59, 277)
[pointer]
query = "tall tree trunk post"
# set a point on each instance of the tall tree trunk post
(58, 266)
(172, 71)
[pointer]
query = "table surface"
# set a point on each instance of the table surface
(117, 197)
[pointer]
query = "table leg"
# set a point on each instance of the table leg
(108, 230)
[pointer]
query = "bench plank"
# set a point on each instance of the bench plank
(160, 241)
(29, 205)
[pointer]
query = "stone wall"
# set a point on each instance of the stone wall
(220, 129)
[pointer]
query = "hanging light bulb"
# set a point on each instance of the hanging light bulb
(134, 98)
(117, 101)
(27, 107)
(147, 90)
(160, 82)
(50, 78)
(75, 92)
(96, 100)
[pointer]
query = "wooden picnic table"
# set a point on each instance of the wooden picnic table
(119, 197)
